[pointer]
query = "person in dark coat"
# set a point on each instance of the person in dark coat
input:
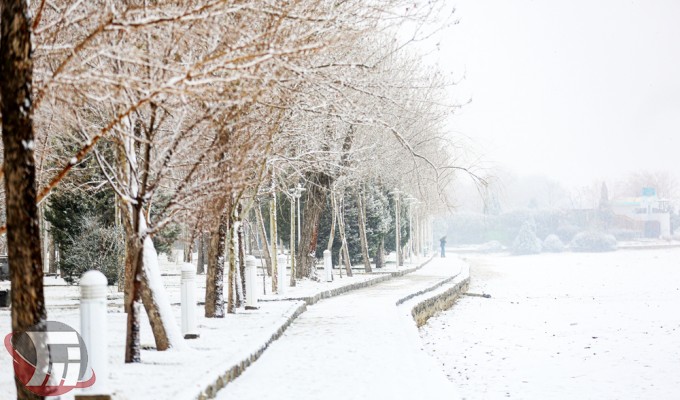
(442, 243)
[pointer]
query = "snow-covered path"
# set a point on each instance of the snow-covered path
(356, 346)
(565, 326)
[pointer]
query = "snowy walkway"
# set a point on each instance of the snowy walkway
(356, 346)
(224, 342)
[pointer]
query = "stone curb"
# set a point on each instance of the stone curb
(440, 301)
(426, 290)
(236, 370)
(380, 277)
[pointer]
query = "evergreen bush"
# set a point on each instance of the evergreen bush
(593, 241)
(526, 241)
(553, 244)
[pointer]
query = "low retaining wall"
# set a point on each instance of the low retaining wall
(382, 277)
(440, 301)
(236, 370)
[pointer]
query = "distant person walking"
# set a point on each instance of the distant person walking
(442, 243)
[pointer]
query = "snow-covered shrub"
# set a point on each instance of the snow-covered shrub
(567, 231)
(97, 247)
(593, 241)
(526, 241)
(493, 246)
(626, 234)
(553, 244)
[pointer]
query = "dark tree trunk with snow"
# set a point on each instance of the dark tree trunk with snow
(133, 258)
(23, 232)
(241, 259)
(231, 290)
(343, 238)
(144, 282)
(262, 232)
(315, 203)
(334, 213)
(362, 231)
(214, 285)
(52, 254)
(380, 254)
(200, 262)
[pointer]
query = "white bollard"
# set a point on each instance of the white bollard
(188, 301)
(282, 265)
(93, 330)
(251, 283)
(328, 265)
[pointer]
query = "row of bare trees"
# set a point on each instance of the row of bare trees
(212, 106)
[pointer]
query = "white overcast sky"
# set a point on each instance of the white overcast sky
(576, 90)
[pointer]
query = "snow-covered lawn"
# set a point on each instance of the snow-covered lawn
(565, 326)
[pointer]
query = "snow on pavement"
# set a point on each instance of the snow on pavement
(174, 374)
(355, 346)
(565, 326)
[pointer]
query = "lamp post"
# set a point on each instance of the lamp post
(298, 193)
(295, 195)
(411, 201)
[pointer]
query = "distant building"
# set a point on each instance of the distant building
(647, 214)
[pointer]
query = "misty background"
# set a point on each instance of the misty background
(563, 97)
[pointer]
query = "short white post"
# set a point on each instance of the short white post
(94, 331)
(328, 265)
(282, 264)
(188, 300)
(179, 257)
(251, 283)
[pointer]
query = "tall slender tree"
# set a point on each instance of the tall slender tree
(18, 139)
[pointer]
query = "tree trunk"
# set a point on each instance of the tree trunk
(343, 238)
(362, 231)
(262, 232)
(240, 235)
(189, 247)
(200, 262)
(52, 254)
(148, 289)
(23, 233)
(380, 254)
(315, 203)
(292, 242)
(231, 256)
(273, 239)
(133, 350)
(334, 212)
(165, 329)
(214, 286)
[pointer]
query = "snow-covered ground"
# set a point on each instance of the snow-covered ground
(565, 326)
(353, 347)
(178, 374)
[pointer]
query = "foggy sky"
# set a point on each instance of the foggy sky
(576, 90)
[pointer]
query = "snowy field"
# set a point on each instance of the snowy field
(565, 326)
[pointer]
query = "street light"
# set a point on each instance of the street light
(297, 193)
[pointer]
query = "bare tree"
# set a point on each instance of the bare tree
(23, 234)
